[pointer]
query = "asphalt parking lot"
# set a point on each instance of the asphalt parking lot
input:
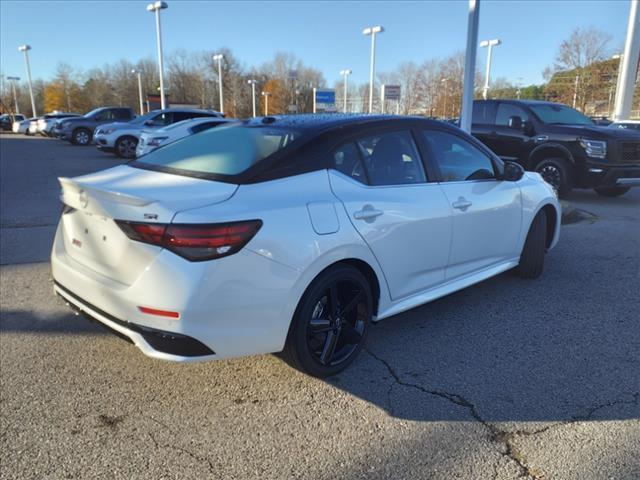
(506, 379)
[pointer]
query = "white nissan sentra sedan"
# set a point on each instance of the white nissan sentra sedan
(293, 234)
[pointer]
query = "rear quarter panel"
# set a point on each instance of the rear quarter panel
(287, 236)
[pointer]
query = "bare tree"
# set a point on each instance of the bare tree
(583, 47)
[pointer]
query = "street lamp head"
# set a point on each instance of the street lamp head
(616, 56)
(152, 7)
(252, 82)
(371, 30)
(134, 71)
(218, 56)
(492, 42)
(24, 48)
(266, 94)
(345, 72)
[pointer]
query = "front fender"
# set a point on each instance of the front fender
(551, 146)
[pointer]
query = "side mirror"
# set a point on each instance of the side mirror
(515, 122)
(512, 172)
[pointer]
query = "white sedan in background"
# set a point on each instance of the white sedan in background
(23, 126)
(47, 122)
(152, 139)
(293, 234)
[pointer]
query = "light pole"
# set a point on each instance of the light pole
(156, 7)
(372, 31)
(139, 73)
(345, 74)
(628, 65)
(25, 49)
(489, 44)
(253, 82)
(468, 79)
(266, 96)
(218, 58)
(13, 86)
(446, 92)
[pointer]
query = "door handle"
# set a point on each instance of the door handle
(367, 213)
(461, 204)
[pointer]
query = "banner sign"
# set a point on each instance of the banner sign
(392, 92)
(324, 100)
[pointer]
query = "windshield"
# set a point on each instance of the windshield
(143, 118)
(560, 114)
(92, 112)
(226, 150)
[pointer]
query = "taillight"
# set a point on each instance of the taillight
(194, 242)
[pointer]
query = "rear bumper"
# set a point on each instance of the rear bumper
(604, 175)
(221, 308)
(153, 342)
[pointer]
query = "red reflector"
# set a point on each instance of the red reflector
(159, 313)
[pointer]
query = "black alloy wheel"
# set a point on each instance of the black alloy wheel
(331, 322)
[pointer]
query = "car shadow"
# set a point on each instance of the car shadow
(505, 350)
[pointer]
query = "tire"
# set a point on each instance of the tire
(611, 191)
(325, 336)
(535, 246)
(557, 173)
(81, 136)
(126, 147)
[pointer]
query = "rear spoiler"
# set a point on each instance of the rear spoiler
(95, 200)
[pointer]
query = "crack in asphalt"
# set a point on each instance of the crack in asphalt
(158, 445)
(194, 456)
(498, 435)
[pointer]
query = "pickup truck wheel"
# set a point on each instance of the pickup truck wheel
(611, 191)
(126, 147)
(533, 252)
(81, 136)
(557, 173)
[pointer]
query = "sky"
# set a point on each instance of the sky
(325, 35)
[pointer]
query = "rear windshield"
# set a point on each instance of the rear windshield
(226, 150)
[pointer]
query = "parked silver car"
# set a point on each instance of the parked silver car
(48, 121)
(122, 138)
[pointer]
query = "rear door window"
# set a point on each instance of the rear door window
(391, 159)
(346, 160)
(484, 113)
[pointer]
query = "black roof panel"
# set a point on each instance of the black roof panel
(323, 121)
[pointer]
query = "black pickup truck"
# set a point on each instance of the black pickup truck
(561, 144)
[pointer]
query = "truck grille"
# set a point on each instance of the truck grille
(630, 152)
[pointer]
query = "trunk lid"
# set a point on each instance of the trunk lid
(91, 235)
